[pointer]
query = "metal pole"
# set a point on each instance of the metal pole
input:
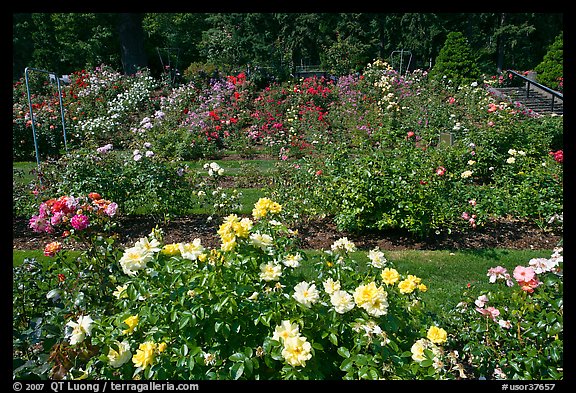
(32, 119)
(26, 70)
(62, 113)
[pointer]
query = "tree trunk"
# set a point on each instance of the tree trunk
(500, 44)
(131, 42)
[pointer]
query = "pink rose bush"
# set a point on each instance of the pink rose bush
(67, 212)
(514, 331)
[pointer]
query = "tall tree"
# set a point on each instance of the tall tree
(173, 38)
(85, 40)
(349, 42)
(131, 36)
(422, 34)
(44, 42)
(22, 44)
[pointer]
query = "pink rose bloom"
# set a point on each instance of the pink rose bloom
(543, 265)
(465, 216)
(496, 272)
(111, 209)
(79, 222)
(491, 312)
(40, 223)
(528, 286)
(481, 301)
(524, 274)
(440, 171)
(57, 218)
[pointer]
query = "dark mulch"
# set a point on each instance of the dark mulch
(321, 234)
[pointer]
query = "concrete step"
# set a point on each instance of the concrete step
(535, 99)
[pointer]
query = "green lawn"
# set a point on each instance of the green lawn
(445, 273)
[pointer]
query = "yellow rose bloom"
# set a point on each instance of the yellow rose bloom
(422, 288)
(161, 347)
(228, 237)
(171, 249)
(131, 321)
(242, 228)
(144, 355)
(265, 206)
(436, 335)
(297, 351)
(229, 245)
(372, 298)
(120, 291)
(414, 279)
(275, 208)
(390, 276)
(407, 286)
(259, 213)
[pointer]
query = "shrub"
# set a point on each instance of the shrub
(254, 308)
(138, 180)
(516, 330)
(551, 70)
(456, 61)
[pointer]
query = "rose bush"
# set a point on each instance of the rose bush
(250, 309)
(515, 331)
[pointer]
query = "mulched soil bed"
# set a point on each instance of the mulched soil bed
(321, 234)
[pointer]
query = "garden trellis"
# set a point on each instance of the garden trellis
(53, 78)
(169, 61)
(400, 54)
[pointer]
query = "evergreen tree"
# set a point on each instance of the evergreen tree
(456, 61)
(551, 71)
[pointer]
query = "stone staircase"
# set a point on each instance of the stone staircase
(537, 100)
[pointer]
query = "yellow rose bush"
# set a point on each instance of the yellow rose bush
(257, 307)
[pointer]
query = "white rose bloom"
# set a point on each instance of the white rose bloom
(118, 358)
(331, 286)
(306, 294)
(292, 260)
(270, 272)
(377, 258)
(342, 301)
(80, 329)
(191, 250)
(134, 259)
(261, 240)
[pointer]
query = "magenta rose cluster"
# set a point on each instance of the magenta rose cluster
(69, 212)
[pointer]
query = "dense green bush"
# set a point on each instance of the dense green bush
(137, 180)
(456, 61)
(550, 72)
